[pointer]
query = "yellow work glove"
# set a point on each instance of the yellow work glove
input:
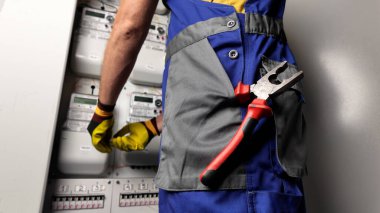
(100, 127)
(135, 136)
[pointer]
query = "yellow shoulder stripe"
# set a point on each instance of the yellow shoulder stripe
(237, 4)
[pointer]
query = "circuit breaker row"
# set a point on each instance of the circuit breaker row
(77, 202)
(137, 194)
(143, 199)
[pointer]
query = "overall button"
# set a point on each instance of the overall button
(233, 54)
(231, 24)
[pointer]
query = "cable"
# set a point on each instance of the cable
(103, 6)
(109, 5)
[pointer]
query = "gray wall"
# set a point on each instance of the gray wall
(337, 44)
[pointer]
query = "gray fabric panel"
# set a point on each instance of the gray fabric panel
(289, 121)
(255, 23)
(199, 31)
(198, 121)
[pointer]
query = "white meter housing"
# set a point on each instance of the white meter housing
(77, 156)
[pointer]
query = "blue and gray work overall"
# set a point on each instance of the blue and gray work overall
(210, 49)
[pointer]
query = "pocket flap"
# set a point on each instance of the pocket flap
(290, 126)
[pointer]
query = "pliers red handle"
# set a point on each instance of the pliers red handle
(265, 87)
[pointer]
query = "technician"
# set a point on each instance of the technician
(212, 45)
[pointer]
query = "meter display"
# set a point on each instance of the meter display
(95, 14)
(143, 99)
(79, 100)
(80, 112)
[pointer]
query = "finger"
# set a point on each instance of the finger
(103, 148)
(120, 142)
(122, 131)
(128, 143)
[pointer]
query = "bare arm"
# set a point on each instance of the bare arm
(130, 29)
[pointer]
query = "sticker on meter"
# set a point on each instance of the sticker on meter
(85, 148)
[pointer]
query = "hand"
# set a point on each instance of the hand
(135, 136)
(100, 127)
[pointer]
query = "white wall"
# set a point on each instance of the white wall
(34, 40)
(1, 4)
(337, 44)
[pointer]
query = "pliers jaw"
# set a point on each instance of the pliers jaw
(268, 85)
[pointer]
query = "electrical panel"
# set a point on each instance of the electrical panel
(81, 178)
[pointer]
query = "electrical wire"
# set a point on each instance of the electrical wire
(109, 5)
(103, 5)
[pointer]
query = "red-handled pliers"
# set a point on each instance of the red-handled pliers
(265, 87)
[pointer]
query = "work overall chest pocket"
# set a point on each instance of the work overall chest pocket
(200, 116)
(289, 153)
